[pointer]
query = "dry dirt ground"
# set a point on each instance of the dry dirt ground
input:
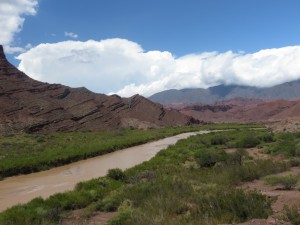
(285, 125)
(282, 197)
(98, 218)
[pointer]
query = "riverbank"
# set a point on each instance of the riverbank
(194, 180)
(28, 153)
(21, 189)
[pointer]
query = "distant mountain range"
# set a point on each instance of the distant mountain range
(287, 91)
(27, 105)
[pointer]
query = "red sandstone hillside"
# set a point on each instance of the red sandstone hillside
(249, 111)
(245, 110)
(27, 105)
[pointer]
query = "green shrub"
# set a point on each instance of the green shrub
(219, 140)
(71, 200)
(286, 144)
(116, 174)
(267, 138)
(248, 142)
(242, 204)
(288, 182)
(124, 216)
(210, 204)
(40, 140)
(252, 170)
(297, 149)
(143, 176)
(291, 214)
(294, 162)
(209, 157)
(36, 212)
(237, 156)
(110, 203)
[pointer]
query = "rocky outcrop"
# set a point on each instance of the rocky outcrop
(245, 110)
(27, 105)
(212, 108)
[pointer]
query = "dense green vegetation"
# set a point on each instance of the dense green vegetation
(26, 153)
(288, 182)
(192, 182)
(291, 214)
(287, 144)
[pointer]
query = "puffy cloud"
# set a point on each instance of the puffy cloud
(12, 14)
(123, 67)
(71, 35)
(104, 66)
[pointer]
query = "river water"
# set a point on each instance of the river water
(23, 188)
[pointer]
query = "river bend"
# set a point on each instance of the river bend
(23, 188)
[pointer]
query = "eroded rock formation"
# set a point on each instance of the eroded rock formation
(27, 105)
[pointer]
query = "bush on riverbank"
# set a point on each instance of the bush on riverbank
(287, 144)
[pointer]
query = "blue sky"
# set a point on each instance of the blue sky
(178, 26)
(185, 29)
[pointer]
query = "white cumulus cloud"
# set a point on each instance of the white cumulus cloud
(123, 67)
(71, 35)
(12, 14)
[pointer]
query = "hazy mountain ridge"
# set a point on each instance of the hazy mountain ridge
(287, 91)
(220, 104)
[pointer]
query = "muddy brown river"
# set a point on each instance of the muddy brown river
(23, 188)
